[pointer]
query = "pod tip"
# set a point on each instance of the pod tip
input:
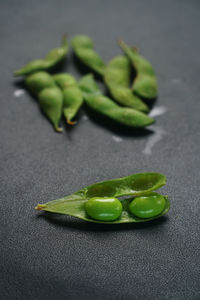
(59, 129)
(16, 73)
(71, 122)
(153, 121)
(40, 207)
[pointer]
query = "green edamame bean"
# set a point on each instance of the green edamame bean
(84, 50)
(103, 209)
(95, 99)
(52, 58)
(49, 95)
(145, 83)
(147, 206)
(73, 98)
(116, 77)
(98, 202)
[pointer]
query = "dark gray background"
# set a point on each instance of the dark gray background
(62, 258)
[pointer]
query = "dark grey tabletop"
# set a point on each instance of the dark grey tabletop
(53, 257)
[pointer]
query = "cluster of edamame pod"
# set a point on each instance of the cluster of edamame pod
(129, 199)
(61, 94)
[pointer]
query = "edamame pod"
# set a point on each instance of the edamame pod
(145, 83)
(84, 50)
(49, 96)
(36, 82)
(95, 99)
(73, 98)
(116, 77)
(52, 58)
(84, 205)
(51, 101)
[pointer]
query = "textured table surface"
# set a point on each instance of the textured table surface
(52, 257)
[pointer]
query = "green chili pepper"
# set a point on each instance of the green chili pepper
(145, 83)
(116, 77)
(84, 50)
(95, 99)
(49, 96)
(52, 58)
(80, 203)
(73, 98)
(147, 206)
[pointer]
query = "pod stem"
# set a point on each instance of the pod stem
(64, 39)
(135, 49)
(121, 43)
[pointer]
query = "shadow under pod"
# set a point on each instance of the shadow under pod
(115, 127)
(70, 222)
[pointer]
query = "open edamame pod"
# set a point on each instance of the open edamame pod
(52, 58)
(72, 94)
(116, 77)
(145, 83)
(104, 105)
(79, 203)
(49, 96)
(84, 50)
